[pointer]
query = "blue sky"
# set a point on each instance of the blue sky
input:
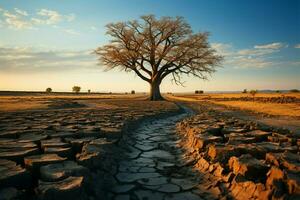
(48, 43)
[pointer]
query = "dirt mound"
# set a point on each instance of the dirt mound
(62, 104)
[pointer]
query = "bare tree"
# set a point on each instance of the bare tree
(156, 48)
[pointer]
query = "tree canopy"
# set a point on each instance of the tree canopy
(155, 48)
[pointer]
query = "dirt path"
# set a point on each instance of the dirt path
(154, 167)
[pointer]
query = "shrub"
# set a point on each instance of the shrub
(253, 93)
(132, 92)
(199, 91)
(76, 89)
(294, 90)
(49, 90)
(245, 91)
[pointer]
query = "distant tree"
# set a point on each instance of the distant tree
(253, 93)
(89, 91)
(49, 90)
(199, 91)
(245, 91)
(132, 92)
(294, 90)
(156, 48)
(277, 91)
(76, 89)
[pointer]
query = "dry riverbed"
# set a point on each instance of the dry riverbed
(130, 149)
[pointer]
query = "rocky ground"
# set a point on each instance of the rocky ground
(66, 153)
(243, 159)
(132, 150)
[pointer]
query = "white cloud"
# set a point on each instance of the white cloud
(275, 45)
(15, 21)
(71, 32)
(222, 48)
(16, 59)
(70, 17)
(49, 16)
(93, 28)
(21, 12)
(297, 46)
(19, 19)
(256, 57)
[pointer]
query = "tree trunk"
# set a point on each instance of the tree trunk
(155, 91)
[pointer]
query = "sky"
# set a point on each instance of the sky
(49, 43)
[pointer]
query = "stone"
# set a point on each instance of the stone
(111, 132)
(248, 166)
(202, 140)
(149, 195)
(228, 130)
(60, 151)
(122, 197)
(214, 130)
(59, 171)
(35, 162)
(221, 152)
(161, 154)
(132, 177)
(122, 188)
(153, 181)
(62, 134)
(146, 147)
(32, 137)
(183, 196)
(243, 190)
(69, 188)
(185, 184)
(241, 140)
(169, 188)
(77, 144)
(18, 154)
(259, 135)
(9, 193)
(13, 175)
(55, 142)
(293, 182)
(202, 164)
(290, 161)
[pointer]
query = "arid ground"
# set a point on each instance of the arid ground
(115, 146)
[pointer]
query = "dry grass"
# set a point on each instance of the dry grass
(238, 95)
(33, 102)
(291, 109)
(267, 108)
(16, 104)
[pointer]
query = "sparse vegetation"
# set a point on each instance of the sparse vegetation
(244, 91)
(49, 90)
(199, 91)
(294, 90)
(76, 89)
(253, 93)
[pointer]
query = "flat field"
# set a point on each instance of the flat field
(24, 101)
(285, 104)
